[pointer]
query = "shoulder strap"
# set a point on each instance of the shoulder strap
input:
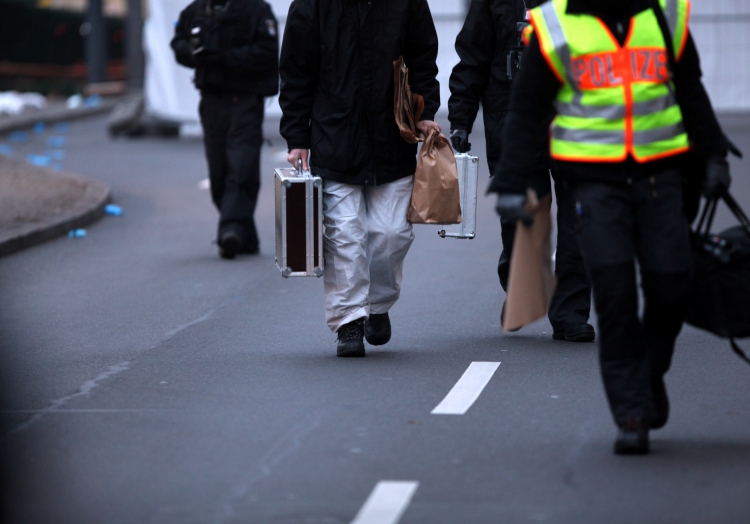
(659, 12)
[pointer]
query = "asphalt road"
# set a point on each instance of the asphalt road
(147, 381)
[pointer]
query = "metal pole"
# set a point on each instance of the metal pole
(134, 45)
(96, 43)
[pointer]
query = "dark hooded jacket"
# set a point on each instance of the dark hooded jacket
(245, 33)
(337, 84)
(487, 36)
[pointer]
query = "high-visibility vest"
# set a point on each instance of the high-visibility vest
(615, 100)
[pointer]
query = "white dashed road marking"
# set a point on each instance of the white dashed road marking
(387, 502)
(467, 389)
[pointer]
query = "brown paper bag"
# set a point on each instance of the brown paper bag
(407, 106)
(531, 282)
(436, 198)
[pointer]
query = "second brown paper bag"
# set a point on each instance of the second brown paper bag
(531, 282)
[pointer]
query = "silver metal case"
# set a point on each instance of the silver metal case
(468, 172)
(299, 223)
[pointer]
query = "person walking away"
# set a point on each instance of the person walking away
(487, 47)
(623, 128)
(336, 97)
(233, 47)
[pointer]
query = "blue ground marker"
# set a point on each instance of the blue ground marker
(19, 137)
(56, 141)
(39, 160)
(55, 154)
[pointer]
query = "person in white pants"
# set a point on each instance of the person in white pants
(336, 97)
(366, 239)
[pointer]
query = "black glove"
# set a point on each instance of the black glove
(717, 179)
(208, 56)
(513, 207)
(460, 140)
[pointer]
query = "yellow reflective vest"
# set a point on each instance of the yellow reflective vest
(615, 100)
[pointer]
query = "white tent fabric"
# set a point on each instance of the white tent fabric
(169, 90)
(721, 29)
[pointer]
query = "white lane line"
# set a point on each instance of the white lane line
(467, 389)
(387, 502)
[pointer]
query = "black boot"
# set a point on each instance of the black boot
(661, 403)
(378, 329)
(632, 438)
(350, 342)
(578, 332)
(230, 243)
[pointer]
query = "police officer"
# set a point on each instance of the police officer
(488, 48)
(626, 119)
(233, 47)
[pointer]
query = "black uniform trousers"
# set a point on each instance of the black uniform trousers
(571, 302)
(233, 136)
(639, 220)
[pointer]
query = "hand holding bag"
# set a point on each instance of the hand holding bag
(531, 282)
(436, 197)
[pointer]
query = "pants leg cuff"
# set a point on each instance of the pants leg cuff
(336, 322)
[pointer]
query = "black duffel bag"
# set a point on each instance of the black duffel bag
(720, 291)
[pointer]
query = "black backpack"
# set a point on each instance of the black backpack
(720, 290)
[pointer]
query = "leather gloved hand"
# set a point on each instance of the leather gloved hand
(513, 207)
(208, 56)
(460, 140)
(717, 179)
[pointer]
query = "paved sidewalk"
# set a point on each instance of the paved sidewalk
(38, 204)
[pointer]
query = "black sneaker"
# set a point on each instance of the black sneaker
(230, 244)
(350, 343)
(661, 403)
(632, 438)
(378, 329)
(578, 332)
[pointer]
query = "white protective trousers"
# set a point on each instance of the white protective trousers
(366, 238)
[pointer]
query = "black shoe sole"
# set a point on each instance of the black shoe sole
(626, 449)
(631, 445)
(583, 336)
(377, 340)
(351, 351)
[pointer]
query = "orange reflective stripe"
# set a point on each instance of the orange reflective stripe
(526, 34)
(598, 70)
(678, 54)
(534, 13)
(612, 69)
(649, 65)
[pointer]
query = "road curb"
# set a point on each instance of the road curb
(54, 115)
(86, 210)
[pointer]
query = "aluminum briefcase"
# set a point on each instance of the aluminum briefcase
(299, 222)
(468, 171)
